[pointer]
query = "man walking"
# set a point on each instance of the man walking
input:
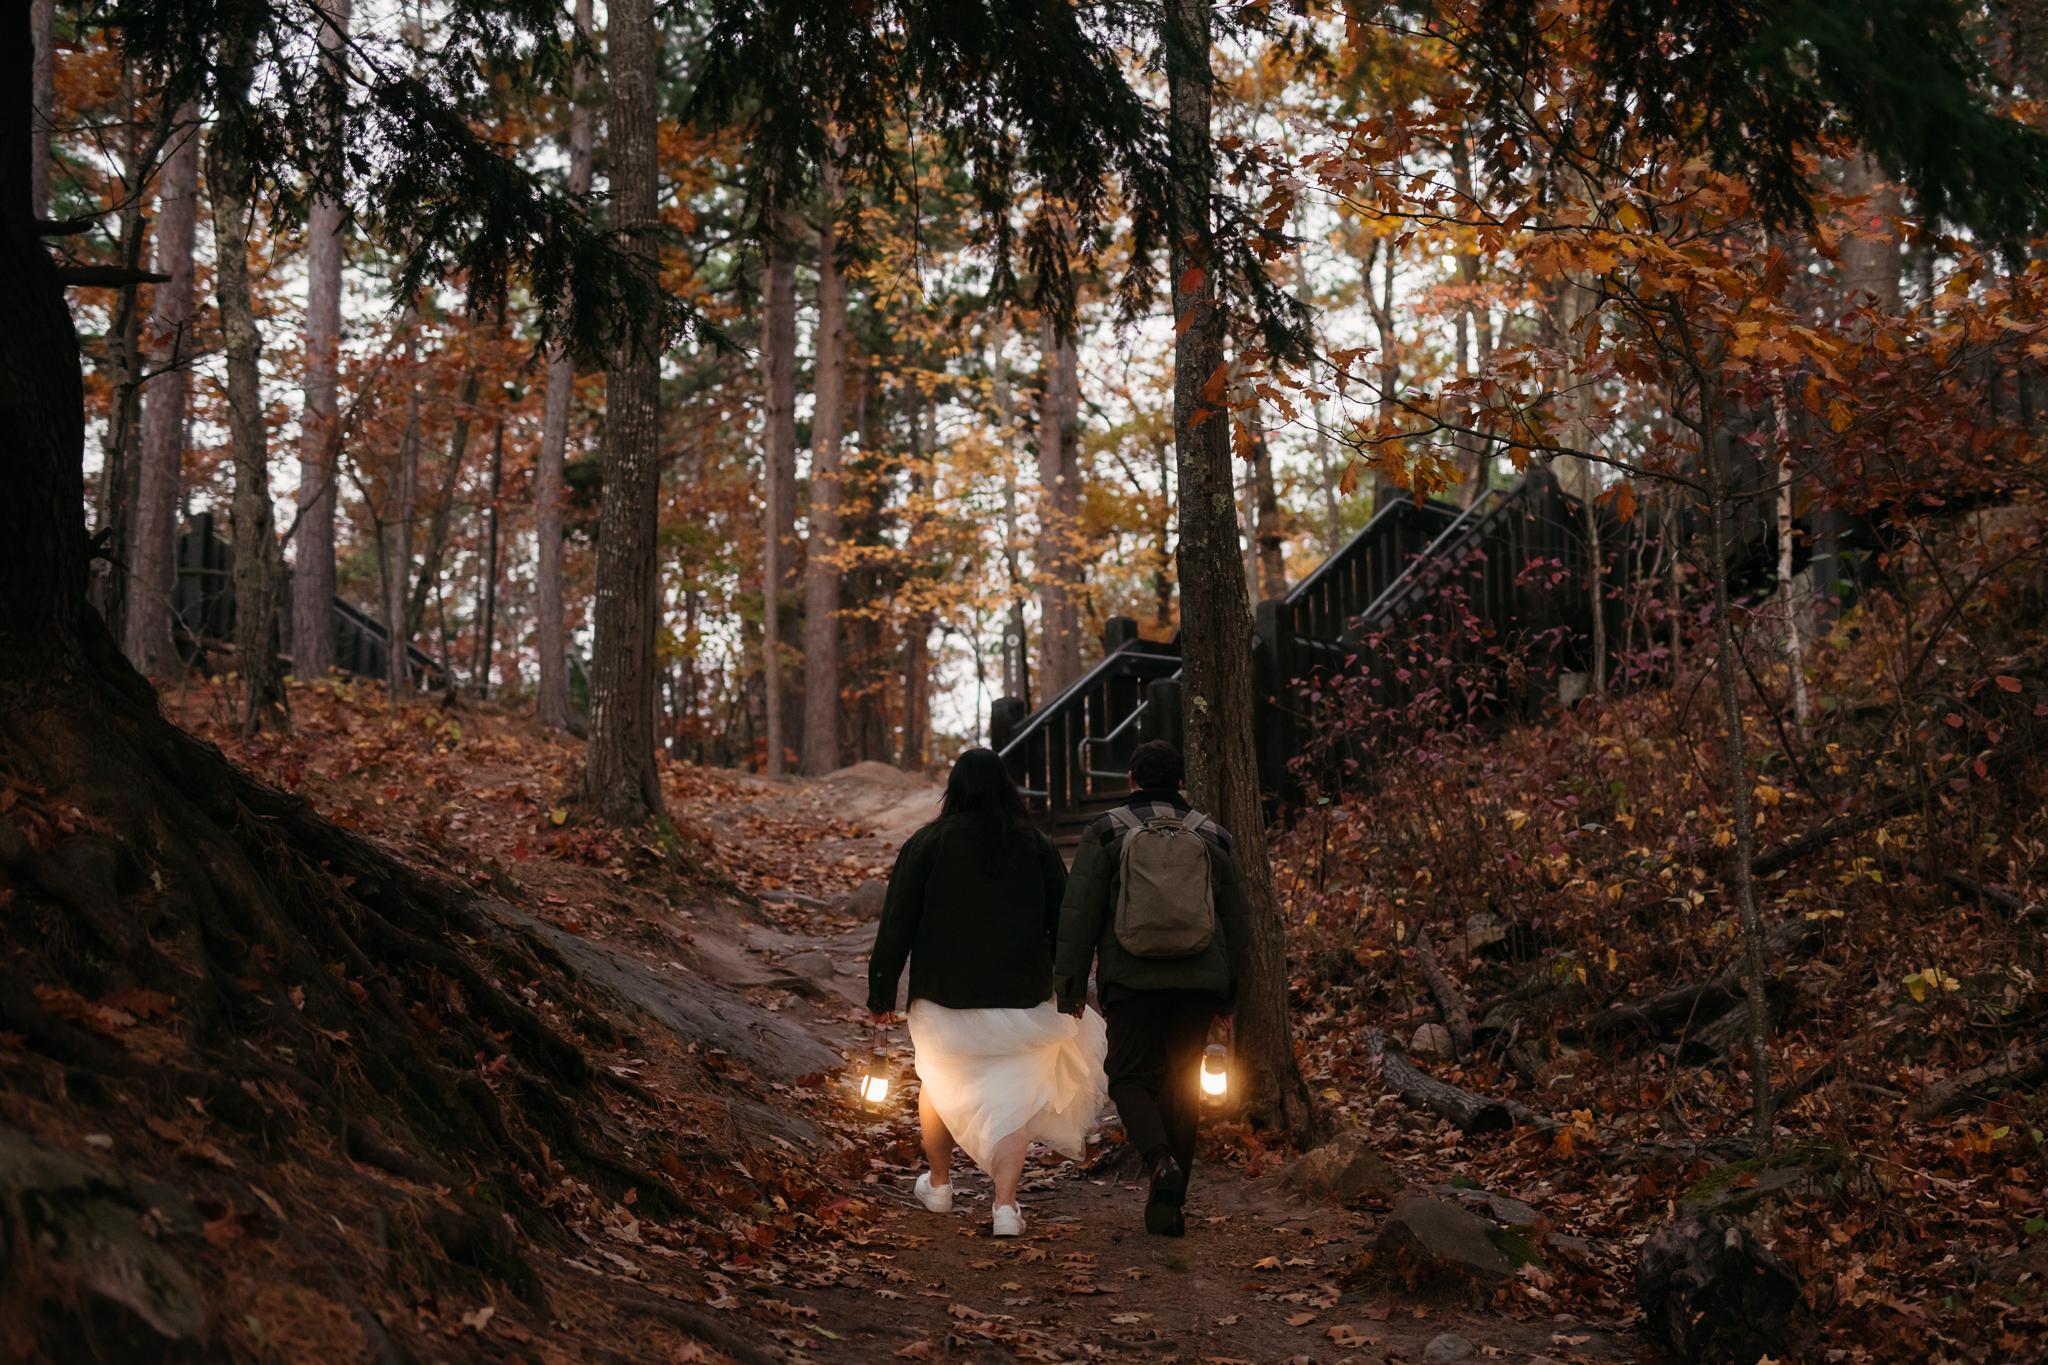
(1156, 902)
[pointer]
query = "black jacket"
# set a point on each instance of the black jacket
(974, 940)
(1088, 920)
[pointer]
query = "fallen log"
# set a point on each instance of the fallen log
(1675, 1008)
(1840, 827)
(2022, 1064)
(1457, 1016)
(1969, 886)
(1474, 1113)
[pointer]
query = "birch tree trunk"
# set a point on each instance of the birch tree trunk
(153, 554)
(313, 548)
(255, 539)
(620, 779)
(821, 560)
(1216, 623)
(551, 636)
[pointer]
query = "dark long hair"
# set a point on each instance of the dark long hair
(981, 797)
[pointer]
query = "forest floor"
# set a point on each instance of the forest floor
(705, 985)
(1261, 1277)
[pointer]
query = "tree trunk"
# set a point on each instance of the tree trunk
(821, 560)
(1266, 499)
(1059, 625)
(1871, 259)
(398, 565)
(119, 484)
(319, 456)
(551, 636)
(228, 179)
(916, 595)
(1216, 623)
(1726, 673)
(620, 780)
(43, 104)
(778, 477)
(439, 520)
(153, 554)
(1382, 309)
(1016, 639)
(490, 593)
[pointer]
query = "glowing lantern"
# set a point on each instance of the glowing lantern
(1215, 1070)
(874, 1080)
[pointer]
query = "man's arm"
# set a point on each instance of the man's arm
(1081, 916)
(901, 910)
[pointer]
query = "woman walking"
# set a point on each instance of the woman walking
(974, 905)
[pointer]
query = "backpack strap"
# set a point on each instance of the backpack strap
(1193, 821)
(1126, 821)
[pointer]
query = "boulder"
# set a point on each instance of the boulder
(1716, 1296)
(866, 901)
(1432, 1042)
(1343, 1169)
(1447, 1347)
(1429, 1236)
(86, 1234)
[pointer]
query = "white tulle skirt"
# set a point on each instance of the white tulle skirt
(991, 1073)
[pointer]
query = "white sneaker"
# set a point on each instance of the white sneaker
(937, 1198)
(1009, 1221)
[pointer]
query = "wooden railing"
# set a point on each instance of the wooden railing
(1516, 559)
(203, 610)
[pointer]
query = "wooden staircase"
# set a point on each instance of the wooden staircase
(1516, 557)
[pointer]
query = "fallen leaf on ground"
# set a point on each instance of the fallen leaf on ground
(1230, 1321)
(1300, 1319)
(1126, 1319)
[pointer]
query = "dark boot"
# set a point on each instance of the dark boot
(1168, 1190)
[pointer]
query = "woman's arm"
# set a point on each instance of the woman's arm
(901, 911)
(1052, 872)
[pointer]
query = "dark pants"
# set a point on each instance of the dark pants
(1156, 1040)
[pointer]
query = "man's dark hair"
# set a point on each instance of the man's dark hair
(1156, 766)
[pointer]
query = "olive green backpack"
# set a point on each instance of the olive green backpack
(1165, 906)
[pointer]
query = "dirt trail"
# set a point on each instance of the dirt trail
(1261, 1277)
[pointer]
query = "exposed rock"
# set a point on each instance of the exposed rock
(866, 901)
(817, 965)
(691, 1009)
(1446, 1348)
(1429, 1235)
(1717, 1296)
(759, 1125)
(1502, 1209)
(84, 1224)
(1432, 1042)
(1343, 1169)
